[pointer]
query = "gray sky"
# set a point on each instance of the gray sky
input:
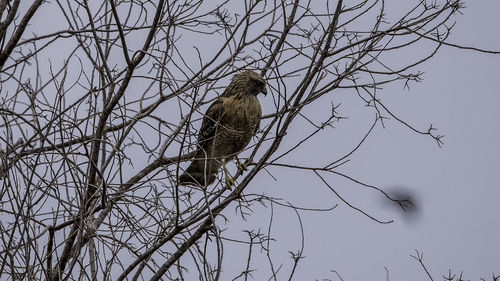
(456, 186)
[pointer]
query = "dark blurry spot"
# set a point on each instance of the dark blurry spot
(405, 201)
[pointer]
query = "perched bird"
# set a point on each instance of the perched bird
(226, 129)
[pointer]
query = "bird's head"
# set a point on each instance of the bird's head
(249, 82)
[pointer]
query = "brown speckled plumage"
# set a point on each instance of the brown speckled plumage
(227, 128)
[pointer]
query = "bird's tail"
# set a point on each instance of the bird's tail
(202, 171)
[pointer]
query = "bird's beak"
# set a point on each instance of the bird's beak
(264, 91)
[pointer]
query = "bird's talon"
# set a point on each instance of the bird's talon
(229, 182)
(241, 166)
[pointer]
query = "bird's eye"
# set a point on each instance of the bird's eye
(259, 83)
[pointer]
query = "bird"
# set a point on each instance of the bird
(228, 125)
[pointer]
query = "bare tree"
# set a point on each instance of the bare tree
(450, 276)
(100, 110)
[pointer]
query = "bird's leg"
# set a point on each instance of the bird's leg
(227, 176)
(241, 166)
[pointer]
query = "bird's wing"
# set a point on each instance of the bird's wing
(257, 126)
(210, 122)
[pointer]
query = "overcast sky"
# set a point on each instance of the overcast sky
(455, 187)
(457, 224)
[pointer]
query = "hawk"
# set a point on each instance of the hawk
(226, 129)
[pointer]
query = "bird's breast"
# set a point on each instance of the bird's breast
(238, 123)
